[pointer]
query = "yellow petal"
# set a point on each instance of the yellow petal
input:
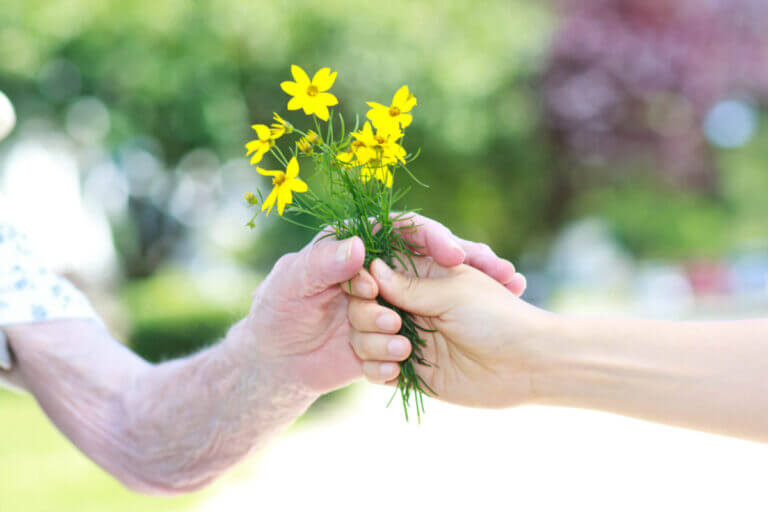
(265, 172)
(291, 88)
(365, 155)
(284, 197)
(367, 132)
(295, 103)
(403, 99)
(262, 132)
(293, 168)
(309, 106)
(405, 120)
(381, 119)
(302, 80)
(297, 185)
(324, 79)
(345, 157)
(269, 202)
(278, 130)
(279, 121)
(327, 99)
(256, 158)
(385, 176)
(321, 111)
(409, 104)
(400, 96)
(390, 130)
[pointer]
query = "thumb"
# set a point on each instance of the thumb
(422, 296)
(328, 262)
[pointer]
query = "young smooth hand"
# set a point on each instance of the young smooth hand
(483, 350)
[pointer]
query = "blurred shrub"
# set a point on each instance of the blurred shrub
(661, 222)
(159, 339)
(175, 313)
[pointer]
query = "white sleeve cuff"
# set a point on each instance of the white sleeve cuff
(29, 292)
(5, 354)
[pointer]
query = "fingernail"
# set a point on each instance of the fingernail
(524, 283)
(397, 347)
(363, 289)
(387, 369)
(344, 252)
(381, 270)
(387, 321)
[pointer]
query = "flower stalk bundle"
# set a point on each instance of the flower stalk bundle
(357, 171)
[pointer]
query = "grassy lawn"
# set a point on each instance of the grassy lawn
(40, 471)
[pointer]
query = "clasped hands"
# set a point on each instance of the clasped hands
(322, 302)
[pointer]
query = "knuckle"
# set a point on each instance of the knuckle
(410, 286)
(355, 312)
(357, 346)
(370, 371)
(284, 262)
(484, 248)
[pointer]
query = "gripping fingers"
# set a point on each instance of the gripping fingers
(371, 346)
(379, 372)
(363, 286)
(369, 316)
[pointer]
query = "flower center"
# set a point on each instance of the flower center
(394, 111)
(312, 90)
(278, 180)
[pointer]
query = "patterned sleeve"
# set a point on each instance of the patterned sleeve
(29, 292)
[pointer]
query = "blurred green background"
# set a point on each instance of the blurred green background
(530, 118)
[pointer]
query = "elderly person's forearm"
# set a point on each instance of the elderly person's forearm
(164, 428)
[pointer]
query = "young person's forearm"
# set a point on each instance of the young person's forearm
(164, 428)
(710, 376)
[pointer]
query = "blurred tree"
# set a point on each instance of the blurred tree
(184, 75)
(634, 80)
(511, 138)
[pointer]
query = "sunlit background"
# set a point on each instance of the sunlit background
(616, 150)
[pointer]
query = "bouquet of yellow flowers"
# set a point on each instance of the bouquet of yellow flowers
(358, 170)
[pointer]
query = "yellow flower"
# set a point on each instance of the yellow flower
(280, 125)
(263, 143)
(285, 184)
(312, 137)
(305, 144)
(311, 95)
(381, 173)
(379, 147)
(386, 147)
(395, 115)
(363, 144)
(250, 198)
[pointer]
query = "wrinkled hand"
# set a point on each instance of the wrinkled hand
(483, 350)
(299, 312)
